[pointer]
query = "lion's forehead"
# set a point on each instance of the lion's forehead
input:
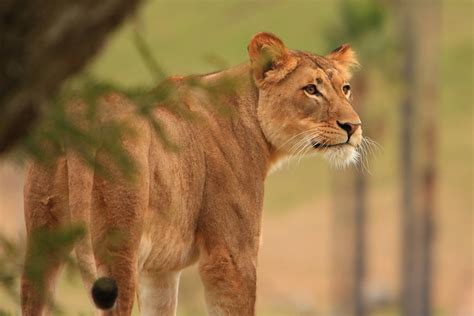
(313, 71)
(314, 60)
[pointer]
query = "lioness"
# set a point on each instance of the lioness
(202, 202)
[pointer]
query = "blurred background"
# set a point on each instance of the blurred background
(393, 238)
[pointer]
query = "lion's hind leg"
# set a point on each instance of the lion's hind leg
(38, 287)
(46, 217)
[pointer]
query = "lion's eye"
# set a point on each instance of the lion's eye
(346, 88)
(311, 89)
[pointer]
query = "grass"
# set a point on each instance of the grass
(183, 34)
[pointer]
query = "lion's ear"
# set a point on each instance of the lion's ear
(345, 59)
(270, 58)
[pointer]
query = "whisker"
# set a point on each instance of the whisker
(294, 144)
(304, 145)
(373, 145)
(367, 148)
(295, 136)
(304, 138)
(307, 147)
(364, 163)
(297, 147)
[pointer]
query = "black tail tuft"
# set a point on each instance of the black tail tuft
(104, 292)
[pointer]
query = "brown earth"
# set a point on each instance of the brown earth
(296, 266)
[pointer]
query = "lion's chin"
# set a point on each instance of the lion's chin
(341, 156)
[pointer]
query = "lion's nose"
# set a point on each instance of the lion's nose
(349, 127)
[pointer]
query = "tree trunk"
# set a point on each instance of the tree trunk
(349, 229)
(408, 217)
(343, 252)
(42, 43)
(360, 209)
(430, 46)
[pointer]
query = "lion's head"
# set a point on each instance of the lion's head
(305, 100)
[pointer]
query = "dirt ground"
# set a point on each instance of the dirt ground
(296, 266)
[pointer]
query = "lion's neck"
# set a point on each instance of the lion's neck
(243, 99)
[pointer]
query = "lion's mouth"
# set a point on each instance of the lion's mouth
(339, 155)
(319, 145)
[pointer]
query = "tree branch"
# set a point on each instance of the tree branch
(42, 43)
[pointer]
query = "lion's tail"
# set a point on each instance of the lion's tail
(104, 292)
(80, 181)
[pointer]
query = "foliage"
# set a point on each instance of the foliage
(74, 121)
(364, 24)
(65, 125)
(44, 245)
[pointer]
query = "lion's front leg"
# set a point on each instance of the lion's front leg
(228, 242)
(228, 236)
(229, 281)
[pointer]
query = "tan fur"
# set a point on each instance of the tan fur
(203, 201)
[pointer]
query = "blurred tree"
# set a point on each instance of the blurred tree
(46, 117)
(342, 250)
(420, 73)
(41, 45)
(408, 216)
(363, 25)
(430, 47)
